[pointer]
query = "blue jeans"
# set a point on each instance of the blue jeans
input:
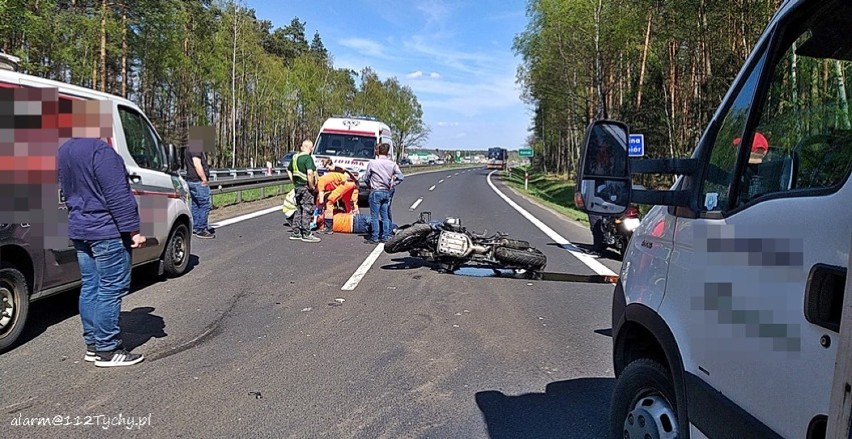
(390, 204)
(200, 206)
(105, 272)
(379, 207)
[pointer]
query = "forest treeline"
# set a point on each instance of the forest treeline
(203, 62)
(661, 66)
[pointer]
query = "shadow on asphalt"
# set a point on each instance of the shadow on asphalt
(56, 309)
(577, 408)
(605, 332)
(140, 325)
(589, 250)
(409, 263)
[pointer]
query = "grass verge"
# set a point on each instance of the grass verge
(553, 191)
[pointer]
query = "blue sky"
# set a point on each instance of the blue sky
(456, 55)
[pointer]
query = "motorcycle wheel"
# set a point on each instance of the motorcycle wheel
(405, 239)
(516, 244)
(531, 258)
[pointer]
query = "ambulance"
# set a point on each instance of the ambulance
(350, 142)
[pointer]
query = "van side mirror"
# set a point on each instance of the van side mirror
(173, 154)
(604, 179)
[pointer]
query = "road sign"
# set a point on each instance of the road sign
(526, 152)
(637, 146)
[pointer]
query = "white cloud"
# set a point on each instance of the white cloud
(436, 11)
(435, 75)
(364, 46)
(414, 75)
(447, 124)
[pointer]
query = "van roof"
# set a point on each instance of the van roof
(354, 124)
(83, 92)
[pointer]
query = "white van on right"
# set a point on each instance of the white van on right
(726, 316)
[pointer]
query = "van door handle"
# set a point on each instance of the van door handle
(134, 178)
(824, 296)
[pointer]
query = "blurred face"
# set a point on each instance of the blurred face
(91, 119)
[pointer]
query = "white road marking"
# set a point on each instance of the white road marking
(456, 173)
(363, 269)
(247, 216)
(440, 181)
(416, 203)
(590, 262)
(449, 176)
(432, 188)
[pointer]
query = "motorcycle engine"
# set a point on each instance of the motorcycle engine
(452, 223)
(453, 244)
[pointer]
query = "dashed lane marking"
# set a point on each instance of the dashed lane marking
(416, 203)
(432, 188)
(356, 277)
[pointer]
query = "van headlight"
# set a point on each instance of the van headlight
(631, 223)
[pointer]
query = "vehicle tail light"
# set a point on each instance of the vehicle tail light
(632, 212)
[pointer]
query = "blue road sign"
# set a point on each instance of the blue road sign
(637, 145)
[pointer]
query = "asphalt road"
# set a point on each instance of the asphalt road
(255, 341)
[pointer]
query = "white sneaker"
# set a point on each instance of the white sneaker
(116, 358)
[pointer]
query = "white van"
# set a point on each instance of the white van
(38, 260)
(726, 317)
(351, 143)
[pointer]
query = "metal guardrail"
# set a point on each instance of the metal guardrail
(239, 185)
(234, 174)
(257, 178)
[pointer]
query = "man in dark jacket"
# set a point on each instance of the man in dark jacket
(197, 177)
(103, 224)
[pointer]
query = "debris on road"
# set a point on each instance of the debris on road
(308, 309)
(257, 395)
(340, 300)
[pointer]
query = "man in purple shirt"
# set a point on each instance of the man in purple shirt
(103, 224)
(381, 176)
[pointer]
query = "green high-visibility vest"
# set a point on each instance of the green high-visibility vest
(295, 167)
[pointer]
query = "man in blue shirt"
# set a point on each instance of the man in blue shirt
(103, 224)
(381, 176)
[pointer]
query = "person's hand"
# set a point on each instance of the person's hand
(137, 240)
(205, 183)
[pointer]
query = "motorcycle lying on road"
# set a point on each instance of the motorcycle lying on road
(451, 245)
(617, 230)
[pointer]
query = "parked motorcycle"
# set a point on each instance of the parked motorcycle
(451, 245)
(618, 230)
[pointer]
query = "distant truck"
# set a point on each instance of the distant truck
(350, 142)
(497, 158)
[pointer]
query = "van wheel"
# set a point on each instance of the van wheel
(176, 253)
(14, 305)
(643, 402)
